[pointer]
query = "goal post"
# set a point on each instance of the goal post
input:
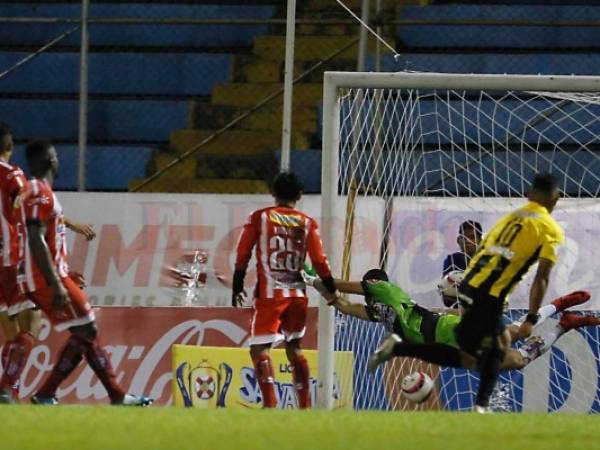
(442, 148)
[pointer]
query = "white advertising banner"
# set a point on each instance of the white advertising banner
(424, 231)
(147, 241)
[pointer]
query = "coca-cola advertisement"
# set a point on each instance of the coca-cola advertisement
(139, 341)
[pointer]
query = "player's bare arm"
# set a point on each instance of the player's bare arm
(43, 259)
(345, 287)
(341, 303)
(351, 309)
(84, 229)
(536, 296)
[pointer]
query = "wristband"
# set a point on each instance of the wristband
(329, 285)
(532, 318)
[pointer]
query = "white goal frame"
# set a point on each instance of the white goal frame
(333, 81)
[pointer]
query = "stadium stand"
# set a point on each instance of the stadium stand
(158, 90)
(141, 78)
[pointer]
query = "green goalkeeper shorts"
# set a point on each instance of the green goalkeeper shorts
(445, 330)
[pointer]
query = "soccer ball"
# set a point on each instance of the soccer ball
(417, 387)
(448, 285)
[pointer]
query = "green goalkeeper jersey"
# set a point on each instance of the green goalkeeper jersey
(392, 306)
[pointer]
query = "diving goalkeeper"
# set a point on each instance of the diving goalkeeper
(415, 328)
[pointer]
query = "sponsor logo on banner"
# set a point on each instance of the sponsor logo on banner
(209, 377)
(139, 341)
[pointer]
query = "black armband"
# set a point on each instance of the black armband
(329, 284)
(532, 318)
(238, 281)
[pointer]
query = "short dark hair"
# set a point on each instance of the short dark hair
(37, 149)
(473, 224)
(287, 186)
(544, 183)
(5, 135)
(376, 274)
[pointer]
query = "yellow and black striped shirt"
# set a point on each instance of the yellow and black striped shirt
(511, 247)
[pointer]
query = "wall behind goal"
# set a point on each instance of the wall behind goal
(147, 243)
(142, 236)
(424, 230)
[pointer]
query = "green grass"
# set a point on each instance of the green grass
(83, 428)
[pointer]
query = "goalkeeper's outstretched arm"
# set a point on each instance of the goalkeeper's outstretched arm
(341, 303)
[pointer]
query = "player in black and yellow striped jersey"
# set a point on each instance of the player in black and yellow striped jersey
(517, 241)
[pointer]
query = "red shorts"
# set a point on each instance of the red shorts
(11, 299)
(77, 312)
(277, 319)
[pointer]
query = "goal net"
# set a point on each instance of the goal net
(406, 159)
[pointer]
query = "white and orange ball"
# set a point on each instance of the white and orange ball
(417, 387)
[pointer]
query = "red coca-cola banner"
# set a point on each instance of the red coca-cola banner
(139, 341)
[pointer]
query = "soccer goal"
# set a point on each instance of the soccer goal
(407, 157)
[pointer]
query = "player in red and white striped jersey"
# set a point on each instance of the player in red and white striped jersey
(43, 274)
(282, 236)
(19, 316)
(20, 323)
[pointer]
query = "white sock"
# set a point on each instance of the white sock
(544, 312)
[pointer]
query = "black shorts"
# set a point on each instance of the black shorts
(481, 322)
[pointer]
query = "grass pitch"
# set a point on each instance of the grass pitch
(87, 428)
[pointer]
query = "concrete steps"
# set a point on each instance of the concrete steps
(247, 95)
(243, 158)
(205, 115)
(235, 142)
(308, 48)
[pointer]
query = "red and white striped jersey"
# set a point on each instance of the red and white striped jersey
(40, 204)
(12, 183)
(283, 237)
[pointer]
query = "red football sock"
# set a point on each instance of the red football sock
(99, 361)
(301, 374)
(18, 353)
(4, 355)
(263, 370)
(68, 359)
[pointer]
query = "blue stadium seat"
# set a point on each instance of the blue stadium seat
(118, 73)
(541, 63)
(578, 178)
(108, 167)
(439, 172)
(108, 120)
(486, 121)
(307, 165)
(138, 35)
(499, 36)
